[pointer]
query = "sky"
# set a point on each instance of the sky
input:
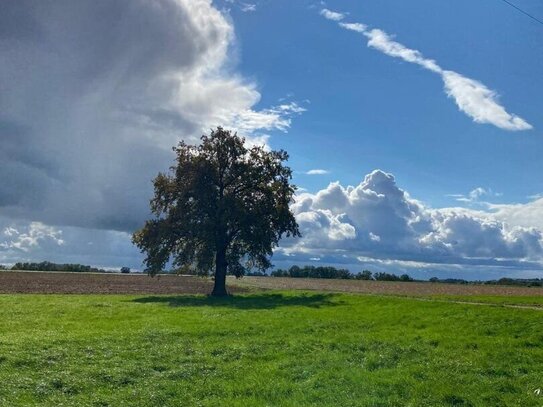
(413, 128)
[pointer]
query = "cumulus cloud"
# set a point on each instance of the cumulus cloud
(526, 215)
(378, 220)
(471, 96)
(374, 224)
(34, 241)
(30, 237)
(95, 94)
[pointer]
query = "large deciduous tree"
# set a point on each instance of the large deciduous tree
(222, 208)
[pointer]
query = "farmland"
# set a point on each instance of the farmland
(479, 293)
(387, 287)
(270, 347)
(101, 283)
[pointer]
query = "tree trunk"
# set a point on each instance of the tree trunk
(219, 289)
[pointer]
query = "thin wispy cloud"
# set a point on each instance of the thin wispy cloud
(317, 172)
(245, 7)
(480, 103)
(358, 27)
(477, 195)
(471, 96)
(381, 41)
(332, 15)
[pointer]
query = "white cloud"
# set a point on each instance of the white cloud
(245, 7)
(332, 15)
(275, 118)
(476, 195)
(34, 241)
(360, 28)
(480, 103)
(471, 96)
(525, 215)
(317, 172)
(30, 237)
(479, 192)
(378, 220)
(381, 41)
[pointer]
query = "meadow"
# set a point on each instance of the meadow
(268, 348)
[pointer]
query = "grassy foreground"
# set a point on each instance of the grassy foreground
(266, 349)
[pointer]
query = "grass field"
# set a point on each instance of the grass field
(271, 348)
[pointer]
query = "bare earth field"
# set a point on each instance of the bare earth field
(97, 283)
(387, 287)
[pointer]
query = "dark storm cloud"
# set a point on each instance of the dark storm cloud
(94, 93)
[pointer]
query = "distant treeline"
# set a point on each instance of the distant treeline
(294, 272)
(521, 282)
(335, 273)
(48, 266)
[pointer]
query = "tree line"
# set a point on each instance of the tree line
(520, 282)
(49, 266)
(335, 273)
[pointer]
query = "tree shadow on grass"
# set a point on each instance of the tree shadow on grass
(253, 301)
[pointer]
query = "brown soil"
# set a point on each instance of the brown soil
(98, 283)
(102, 283)
(386, 287)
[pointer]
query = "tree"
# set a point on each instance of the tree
(222, 208)
(364, 275)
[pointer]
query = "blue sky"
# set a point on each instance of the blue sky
(368, 110)
(419, 121)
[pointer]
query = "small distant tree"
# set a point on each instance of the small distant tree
(222, 208)
(382, 276)
(364, 275)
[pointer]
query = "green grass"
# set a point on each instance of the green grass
(530, 301)
(266, 349)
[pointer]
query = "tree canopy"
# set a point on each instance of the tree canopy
(222, 208)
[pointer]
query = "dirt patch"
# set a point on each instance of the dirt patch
(386, 287)
(97, 283)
